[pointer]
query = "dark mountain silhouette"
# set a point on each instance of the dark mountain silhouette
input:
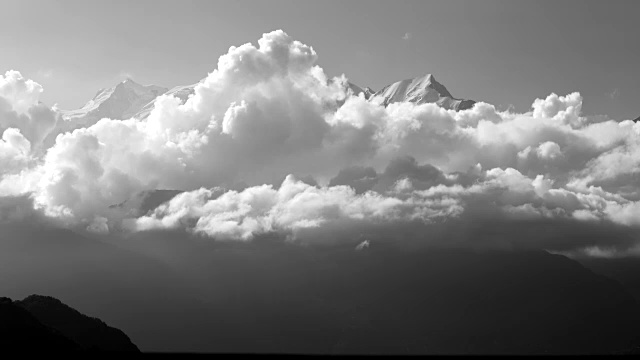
(45, 324)
(626, 270)
(21, 332)
(129, 291)
(455, 301)
(90, 333)
(277, 298)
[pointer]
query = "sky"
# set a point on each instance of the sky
(266, 152)
(507, 53)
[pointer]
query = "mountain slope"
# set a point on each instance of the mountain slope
(21, 332)
(421, 90)
(356, 90)
(45, 324)
(90, 333)
(181, 92)
(122, 101)
(119, 102)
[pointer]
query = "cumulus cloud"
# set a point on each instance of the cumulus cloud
(561, 108)
(262, 209)
(268, 112)
(20, 108)
(503, 200)
(14, 151)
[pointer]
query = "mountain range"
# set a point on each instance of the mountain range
(122, 101)
(119, 102)
(129, 99)
(172, 293)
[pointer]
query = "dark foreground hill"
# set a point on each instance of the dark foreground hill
(20, 331)
(44, 324)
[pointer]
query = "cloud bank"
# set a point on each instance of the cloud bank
(269, 144)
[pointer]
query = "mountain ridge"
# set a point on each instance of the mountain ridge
(129, 99)
(90, 332)
(45, 324)
(421, 90)
(121, 101)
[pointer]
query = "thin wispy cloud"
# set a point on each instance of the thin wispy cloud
(45, 73)
(123, 75)
(406, 36)
(614, 94)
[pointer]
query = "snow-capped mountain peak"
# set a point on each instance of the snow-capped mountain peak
(119, 102)
(130, 99)
(421, 90)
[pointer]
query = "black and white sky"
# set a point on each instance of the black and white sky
(187, 209)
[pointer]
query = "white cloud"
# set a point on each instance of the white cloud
(562, 108)
(269, 111)
(14, 151)
(20, 108)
